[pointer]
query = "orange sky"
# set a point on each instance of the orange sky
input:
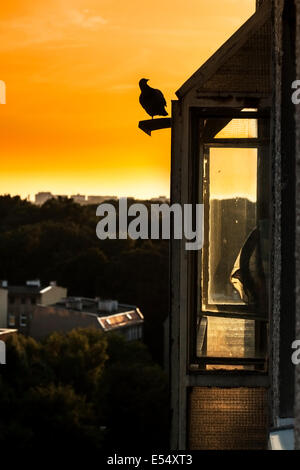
(72, 68)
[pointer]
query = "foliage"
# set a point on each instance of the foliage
(82, 390)
(134, 396)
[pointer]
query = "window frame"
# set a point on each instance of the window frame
(196, 179)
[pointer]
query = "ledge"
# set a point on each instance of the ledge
(154, 125)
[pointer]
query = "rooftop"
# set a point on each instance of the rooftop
(5, 332)
(111, 315)
(30, 288)
(119, 320)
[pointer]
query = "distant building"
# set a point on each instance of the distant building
(3, 307)
(100, 199)
(18, 302)
(81, 312)
(41, 198)
(79, 199)
(6, 333)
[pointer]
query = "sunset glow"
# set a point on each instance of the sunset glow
(72, 68)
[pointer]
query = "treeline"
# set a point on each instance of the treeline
(57, 242)
(83, 391)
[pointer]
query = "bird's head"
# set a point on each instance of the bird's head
(143, 82)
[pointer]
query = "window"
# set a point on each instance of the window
(11, 319)
(23, 320)
(233, 267)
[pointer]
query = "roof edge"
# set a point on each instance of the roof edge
(227, 50)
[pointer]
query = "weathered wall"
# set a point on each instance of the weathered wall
(53, 295)
(297, 401)
(276, 249)
(280, 151)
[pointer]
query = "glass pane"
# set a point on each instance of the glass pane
(232, 188)
(226, 337)
(235, 260)
(239, 129)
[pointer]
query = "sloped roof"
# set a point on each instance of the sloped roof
(6, 332)
(254, 26)
(121, 320)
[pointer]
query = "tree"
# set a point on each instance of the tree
(77, 358)
(133, 399)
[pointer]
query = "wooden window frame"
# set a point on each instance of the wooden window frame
(194, 267)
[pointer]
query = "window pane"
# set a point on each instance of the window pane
(233, 275)
(239, 129)
(226, 337)
(231, 189)
(227, 128)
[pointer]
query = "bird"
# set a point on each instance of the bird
(152, 100)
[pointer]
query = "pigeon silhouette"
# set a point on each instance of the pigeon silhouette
(152, 100)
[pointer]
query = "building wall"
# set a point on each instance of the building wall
(46, 320)
(182, 378)
(283, 87)
(3, 308)
(284, 230)
(53, 295)
(297, 392)
(285, 195)
(132, 333)
(21, 306)
(276, 249)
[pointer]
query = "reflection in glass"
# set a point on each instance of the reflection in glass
(232, 318)
(232, 176)
(226, 337)
(239, 129)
